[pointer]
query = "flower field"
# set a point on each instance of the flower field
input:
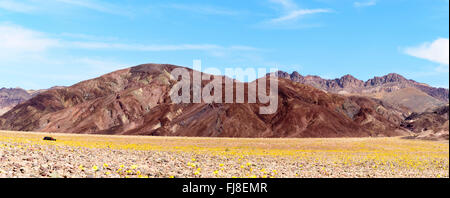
(27, 155)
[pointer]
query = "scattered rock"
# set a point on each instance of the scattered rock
(49, 139)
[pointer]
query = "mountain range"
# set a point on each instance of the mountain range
(10, 97)
(394, 89)
(136, 101)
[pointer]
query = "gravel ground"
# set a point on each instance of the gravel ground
(26, 155)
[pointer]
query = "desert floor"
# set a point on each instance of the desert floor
(27, 155)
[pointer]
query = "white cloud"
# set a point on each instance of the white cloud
(292, 12)
(436, 51)
(360, 4)
(286, 4)
(28, 6)
(16, 41)
(87, 37)
(47, 58)
(152, 48)
(16, 6)
(138, 47)
(97, 6)
(22, 49)
(298, 13)
(203, 9)
(442, 69)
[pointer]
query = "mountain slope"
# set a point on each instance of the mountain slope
(135, 101)
(11, 97)
(411, 98)
(432, 124)
(14, 96)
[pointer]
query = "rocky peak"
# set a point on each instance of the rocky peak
(282, 74)
(349, 77)
(9, 97)
(390, 78)
(295, 76)
(8, 94)
(349, 81)
(350, 84)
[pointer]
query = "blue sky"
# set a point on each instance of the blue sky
(44, 43)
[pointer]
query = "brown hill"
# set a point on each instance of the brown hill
(394, 89)
(11, 97)
(432, 124)
(412, 98)
(14, 96)
(136, 101)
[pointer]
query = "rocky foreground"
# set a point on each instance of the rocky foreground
(27, 155)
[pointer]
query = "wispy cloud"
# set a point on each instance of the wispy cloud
(26, 47)
(286, 4)
(436, 51)
(203, 9)
(23, 49)
(361, 4)
(31, 6)
(298, 13)
(17, 40)
(150, 47)
(292, 12)
(99, 6)
(16, 6)
(87, 37)
(33, 50)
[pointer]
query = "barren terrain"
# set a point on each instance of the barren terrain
(27, 155)
(136, 101)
